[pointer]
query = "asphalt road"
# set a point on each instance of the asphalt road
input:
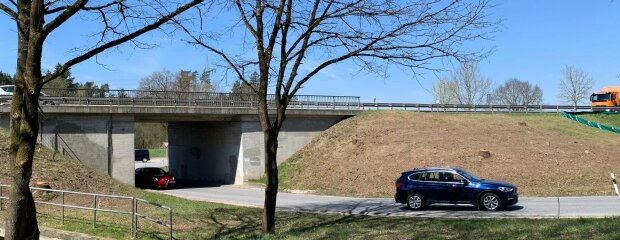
(570, 207)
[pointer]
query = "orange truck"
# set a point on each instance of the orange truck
(608, 97)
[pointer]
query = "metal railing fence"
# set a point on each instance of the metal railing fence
(57, 96)
(421, 107)
(95, 207)
(172, 98)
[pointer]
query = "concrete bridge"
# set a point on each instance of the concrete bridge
(213, 138)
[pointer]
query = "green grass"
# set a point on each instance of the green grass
(214, 221)
(558, 124)
(158, 152)
(286, 170)
(605, 119)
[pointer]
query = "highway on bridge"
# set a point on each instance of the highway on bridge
(531, 207)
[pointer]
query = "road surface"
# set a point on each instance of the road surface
(543, 207)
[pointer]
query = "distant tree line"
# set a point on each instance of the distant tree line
(246, 88)
(67, 81)
(150, 135)
(6, 79)
(467, 86)
(181, 81)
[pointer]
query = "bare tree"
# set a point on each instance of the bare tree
(181, 81)
(120, 21)
(158, 81)
(285, 34)
(515, 92)
(575, 86)
(443, 91)
(470, 87)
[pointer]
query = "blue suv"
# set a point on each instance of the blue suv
(422, 187)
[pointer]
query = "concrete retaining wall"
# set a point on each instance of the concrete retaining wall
(102, 142)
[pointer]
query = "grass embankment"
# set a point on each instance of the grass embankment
(201, 220)
(362, 156)
(612, 120)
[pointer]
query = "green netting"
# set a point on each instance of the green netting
(590, 123)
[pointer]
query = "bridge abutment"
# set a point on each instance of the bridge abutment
(104, 143)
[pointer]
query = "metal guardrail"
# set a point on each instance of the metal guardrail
(480, 108)
(54, 96)
(95, 207)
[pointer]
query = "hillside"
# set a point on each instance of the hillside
(62, 172)
(363, 155)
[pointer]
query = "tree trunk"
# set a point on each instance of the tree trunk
(21, 220)
(271, 169)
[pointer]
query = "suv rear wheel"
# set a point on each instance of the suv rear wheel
(490, 202)
(415, 201)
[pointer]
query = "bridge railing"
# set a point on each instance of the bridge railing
(481, 108)
(173, 98)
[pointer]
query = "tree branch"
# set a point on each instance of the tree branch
(64, 16)
(119, 41)
(61, 8)
(8, 11)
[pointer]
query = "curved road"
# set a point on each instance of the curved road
(570, 207)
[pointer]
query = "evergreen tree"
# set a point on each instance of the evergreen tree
(5, 78)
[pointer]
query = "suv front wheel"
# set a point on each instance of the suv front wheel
(490, 202)
(415, 201)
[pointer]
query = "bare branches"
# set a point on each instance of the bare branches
(515, 92)
(86, 8)
(120, 40)
(64, 16)
(6, 9)
(575, 86)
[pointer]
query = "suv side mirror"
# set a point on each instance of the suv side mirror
(464, 182)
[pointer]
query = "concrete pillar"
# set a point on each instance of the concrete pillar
(102, 142)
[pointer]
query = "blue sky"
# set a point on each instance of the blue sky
(536, 40)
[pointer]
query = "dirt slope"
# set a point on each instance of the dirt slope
(362, 156)
(61, 172)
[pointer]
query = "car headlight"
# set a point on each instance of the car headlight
(505, 189)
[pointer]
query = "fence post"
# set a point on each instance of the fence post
(557, 109)
(136, 218)
(170, 216)
(62, 208)
(95, 211)
(133, 215)
(1, 200)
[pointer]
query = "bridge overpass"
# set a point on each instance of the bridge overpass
(212, 138)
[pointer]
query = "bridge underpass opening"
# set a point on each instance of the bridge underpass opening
(150, 141)
(232, 152)
(204, 153)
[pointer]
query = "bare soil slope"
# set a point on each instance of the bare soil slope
(62, 172)
(363, 155)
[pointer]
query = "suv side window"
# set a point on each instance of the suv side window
(415, 177)
(450, 177)
(430, 176)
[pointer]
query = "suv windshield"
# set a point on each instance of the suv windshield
(469, 176)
